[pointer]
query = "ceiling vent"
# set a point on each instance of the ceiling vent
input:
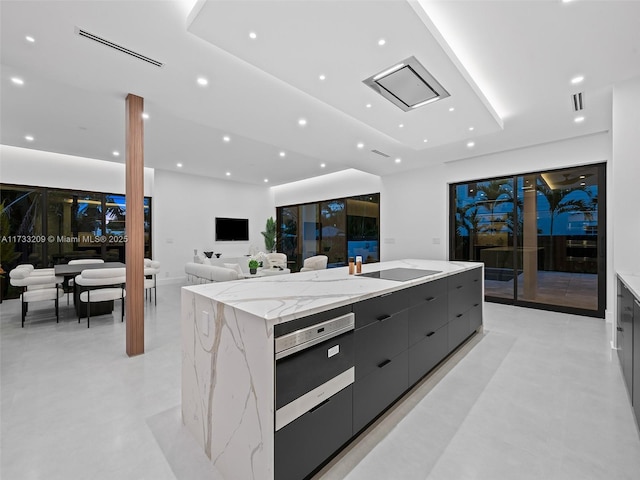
(378, 152)
(407, 85)
(120, 48)
(577, 99)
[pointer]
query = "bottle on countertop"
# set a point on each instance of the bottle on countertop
(358, 264)
(350, 265)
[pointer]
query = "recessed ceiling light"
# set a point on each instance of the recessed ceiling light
(179, 165)
(115, 153)
(401, 125)
(253, 35)
(266, 180)
(576, 80)
(29, 39)
(28, 138)
(17, 81)
(322, 77)
(226, 138)
(451, 109)
(425, 140)
(382, 41)
(322, 165)
(368, 105)
(202, 81)
(578, 119)
(471, 129)
(471, 144)
(360, 145)
(302, 122)
(145, 116)
(398, 160)
(228, 174)
(283, 154)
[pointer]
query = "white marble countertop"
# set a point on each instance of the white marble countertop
(282, 298)
(632, 281)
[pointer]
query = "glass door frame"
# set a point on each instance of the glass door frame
(517, 241)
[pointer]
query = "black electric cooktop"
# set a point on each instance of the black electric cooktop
(400, 274)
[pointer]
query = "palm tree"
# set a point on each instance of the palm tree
(559, 203)
(495, 192)
(468, 219)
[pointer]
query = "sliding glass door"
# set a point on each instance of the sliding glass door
(540, 236)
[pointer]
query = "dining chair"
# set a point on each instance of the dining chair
(36, 287)
(79, 261)
(101, 285)
(151, 270)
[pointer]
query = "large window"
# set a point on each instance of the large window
(339, 228)
(49, 226)
(541, 237)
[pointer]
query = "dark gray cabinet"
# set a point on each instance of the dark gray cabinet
(636, 359)
(400, 337)
(465, 306)
(380, 339)
(305, 443)
(628, 342)
(624, 330)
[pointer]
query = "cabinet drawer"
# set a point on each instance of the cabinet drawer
(374, 309)
(458, 330)
(426, 317)
(380, 341)
(375, 392)
(427, 291)
(465, 290)
(427, 353)
(308, 441)
(475, 317)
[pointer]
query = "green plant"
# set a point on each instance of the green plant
(253, 263)
(7, 248)
(269, 235)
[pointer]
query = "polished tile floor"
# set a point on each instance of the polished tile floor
(538, 396)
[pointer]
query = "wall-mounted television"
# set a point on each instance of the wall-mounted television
(232, 229)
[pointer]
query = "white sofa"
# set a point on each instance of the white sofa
(207, 270)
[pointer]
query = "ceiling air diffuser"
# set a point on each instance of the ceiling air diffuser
(408, 85)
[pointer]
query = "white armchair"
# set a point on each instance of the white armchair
(36, 286)
(277, 260)
(80, 261)
(151, 270)
(101, 285)
(318, 262)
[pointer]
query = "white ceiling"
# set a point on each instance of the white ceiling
(506, 64)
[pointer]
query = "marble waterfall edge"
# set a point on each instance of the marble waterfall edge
(227, 392)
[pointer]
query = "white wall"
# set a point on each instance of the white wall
(415, 205)
(334, 185)
(626, 176)
(184, 211)
(24, 166)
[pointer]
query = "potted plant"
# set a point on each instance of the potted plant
(253, 266)
(269, 235)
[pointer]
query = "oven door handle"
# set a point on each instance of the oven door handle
(323, 331)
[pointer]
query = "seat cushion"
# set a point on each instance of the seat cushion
(41, 294)
(149, 283)
(103, 294)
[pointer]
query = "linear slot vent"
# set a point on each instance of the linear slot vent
(378, 152)
(578, 102)
(96, 38)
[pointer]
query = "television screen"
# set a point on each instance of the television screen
(232, 229)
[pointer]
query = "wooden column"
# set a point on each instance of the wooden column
(134, 249)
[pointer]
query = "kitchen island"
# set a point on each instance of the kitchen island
(401, 325)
